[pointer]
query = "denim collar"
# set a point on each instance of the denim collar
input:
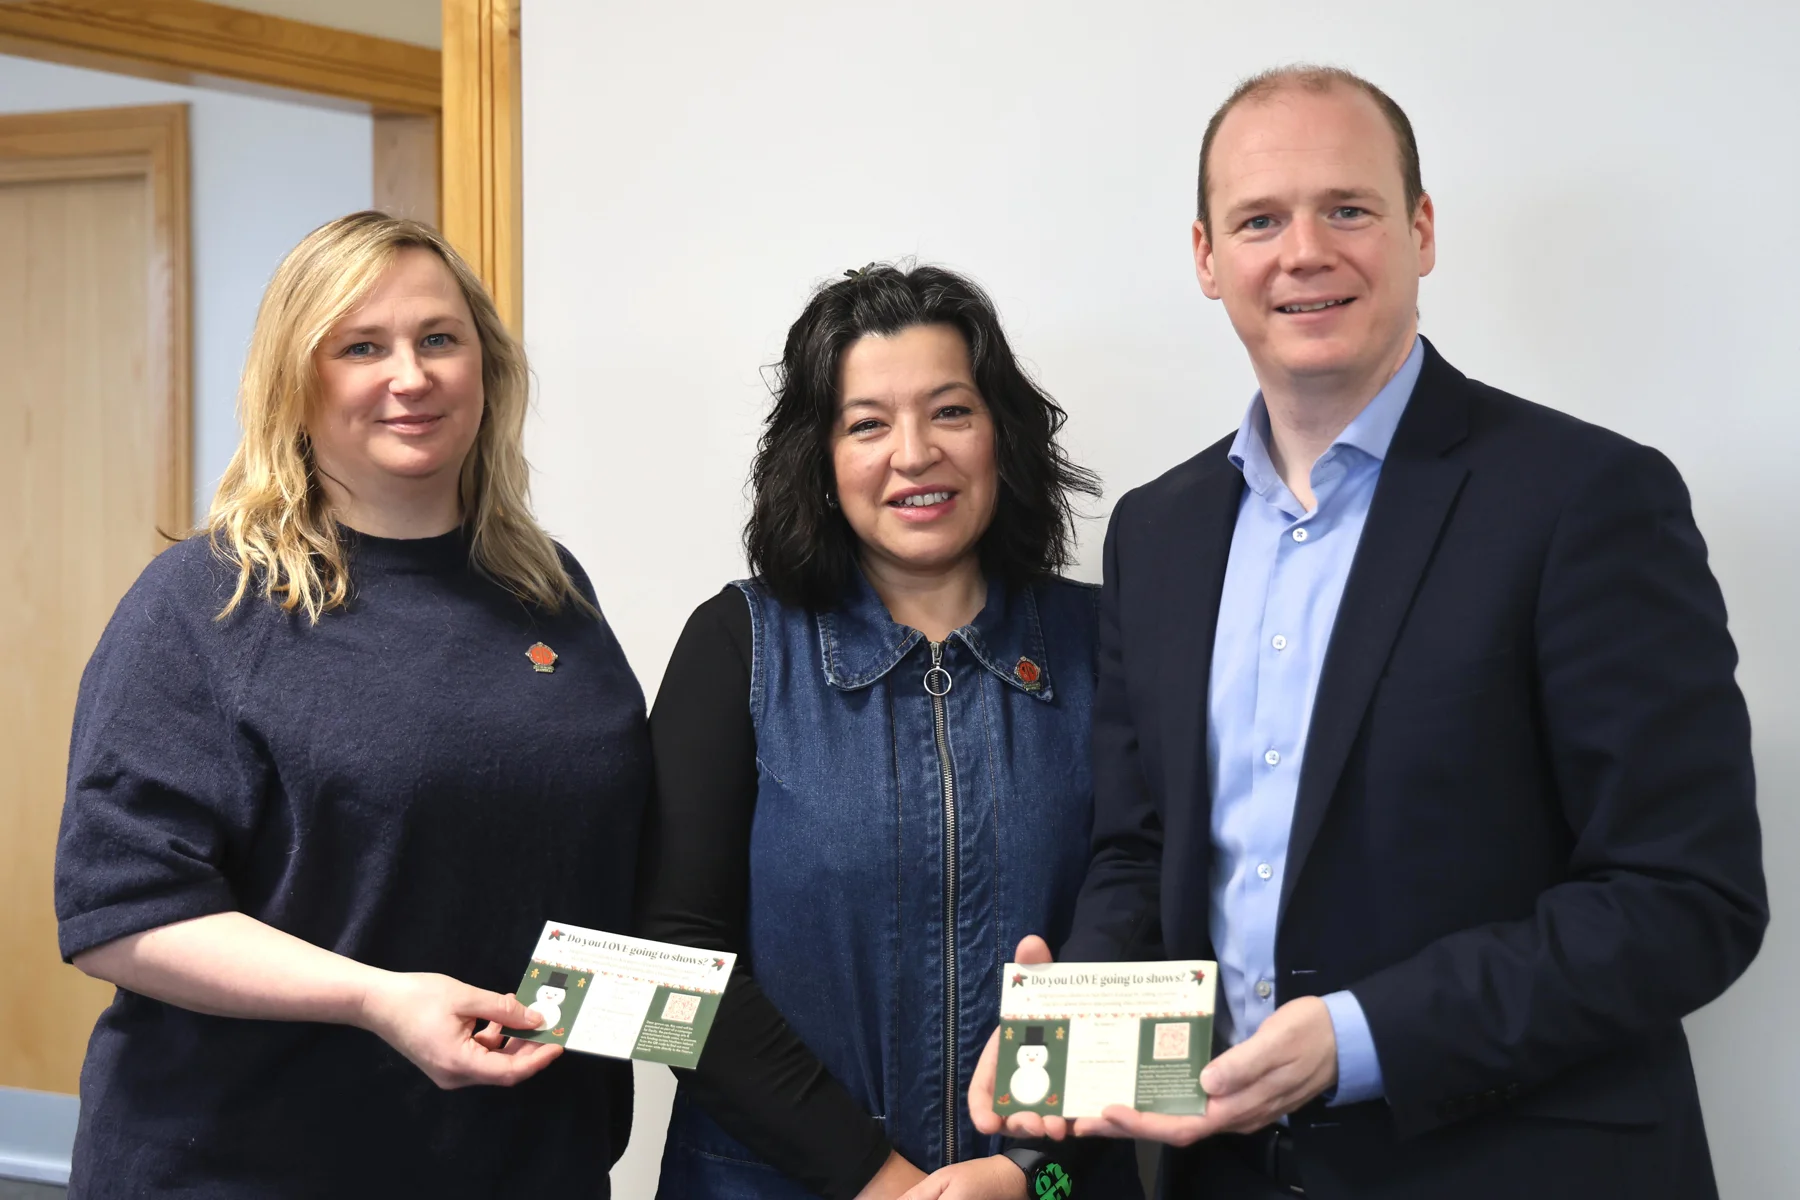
(860, 642)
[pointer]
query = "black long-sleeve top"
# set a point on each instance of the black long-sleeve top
(757, 1079)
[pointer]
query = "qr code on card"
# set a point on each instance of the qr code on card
(1172, 1041)
(681, 1007)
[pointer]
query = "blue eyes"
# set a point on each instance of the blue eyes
(431, 341)
(1343, 212)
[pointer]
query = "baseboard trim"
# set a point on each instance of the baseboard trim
(37, 1135)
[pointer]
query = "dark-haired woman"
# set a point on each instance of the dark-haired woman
(872, 760)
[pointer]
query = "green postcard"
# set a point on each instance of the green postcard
(1076, 1037)
(622, 997)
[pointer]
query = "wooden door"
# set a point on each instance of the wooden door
(94, 460)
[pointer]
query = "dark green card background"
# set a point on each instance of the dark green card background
(1012, 1036)
(579, 982)
(1172, 1086)
(1164, 1086)
(675, 1042)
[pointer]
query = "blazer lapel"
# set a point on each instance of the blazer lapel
(1200, 525)
(1414, 498)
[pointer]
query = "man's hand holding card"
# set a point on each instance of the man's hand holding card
(1121, 1050)
(622, 997)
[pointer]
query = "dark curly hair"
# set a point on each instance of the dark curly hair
(801, 546)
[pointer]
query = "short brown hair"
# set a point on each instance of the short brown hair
(1308, 78)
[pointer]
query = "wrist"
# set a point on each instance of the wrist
(895, 1178)
(1042, 1174)
(364, 1006)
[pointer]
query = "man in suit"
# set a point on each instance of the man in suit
(1416, 711)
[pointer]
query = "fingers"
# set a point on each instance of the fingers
(929, 1188)
(1097, 1127)
(543, 1053)
(981, 1087)
(501, 1007)
(1033, 950)
(484, 1056)
(483, 1067)
(1279, 1068)
(1158, 1127)
(1260, 1102)
(1025, 1125)
(1236, 1068)
(1035, 1125)
(519, 1045)
(456, 1034)
(1247, 1062)
(1255, 1058)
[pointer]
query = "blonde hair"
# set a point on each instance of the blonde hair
(271, 517)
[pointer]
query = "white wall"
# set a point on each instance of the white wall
(1613, 184)
(264, 173)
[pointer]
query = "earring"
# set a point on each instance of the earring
(830, 500)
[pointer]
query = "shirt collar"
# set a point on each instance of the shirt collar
(860, 642)
(1371, 432)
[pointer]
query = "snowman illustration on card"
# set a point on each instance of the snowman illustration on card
(1030, 1082)
(549, 999)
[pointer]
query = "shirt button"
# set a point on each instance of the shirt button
(1300, 535)
(1279, 642)
(1265, 871)
(1263, 989)
(1272, 757)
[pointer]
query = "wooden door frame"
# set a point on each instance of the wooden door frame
(212, 45)
(150, 142)
(482, 202)
(469, 91)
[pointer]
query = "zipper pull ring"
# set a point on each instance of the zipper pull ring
(937, 679)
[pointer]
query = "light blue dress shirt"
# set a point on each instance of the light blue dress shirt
(1282, 586)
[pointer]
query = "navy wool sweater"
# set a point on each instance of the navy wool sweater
(396, 783)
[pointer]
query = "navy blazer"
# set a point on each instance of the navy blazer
(1525, 835)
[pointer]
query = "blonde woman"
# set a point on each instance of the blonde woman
(335, 760)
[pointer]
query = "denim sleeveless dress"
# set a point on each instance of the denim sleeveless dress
(920, 808)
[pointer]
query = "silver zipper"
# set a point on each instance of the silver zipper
(937, 686)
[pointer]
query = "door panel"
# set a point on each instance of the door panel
(89, 454)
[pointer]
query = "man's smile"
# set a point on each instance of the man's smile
(1313, 306)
